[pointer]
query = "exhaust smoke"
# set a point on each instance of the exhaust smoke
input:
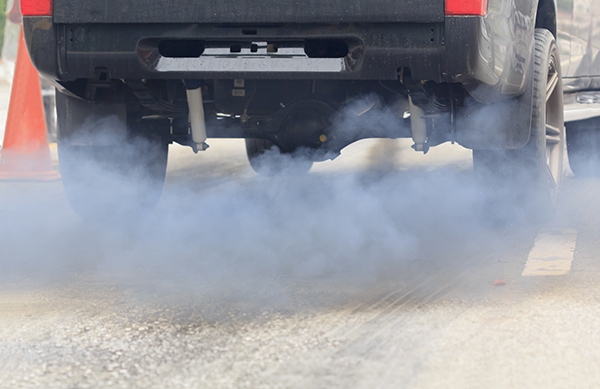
(236, 240)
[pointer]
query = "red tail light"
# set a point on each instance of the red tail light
(36, 7)
(466, 7)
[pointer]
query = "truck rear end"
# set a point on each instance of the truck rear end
(277, 73)
(368, 40)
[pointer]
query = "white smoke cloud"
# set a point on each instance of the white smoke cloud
(222, 231)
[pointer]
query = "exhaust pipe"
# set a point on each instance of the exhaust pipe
(196, 110)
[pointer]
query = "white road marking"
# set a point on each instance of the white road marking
(552, 254)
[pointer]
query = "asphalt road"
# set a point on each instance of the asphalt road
(377, 270)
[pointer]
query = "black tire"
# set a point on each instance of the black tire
(110, 171)
(530, 177)
(274, 161)
(583, 147)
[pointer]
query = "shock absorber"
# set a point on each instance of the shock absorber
(418, 127)
(196, 112)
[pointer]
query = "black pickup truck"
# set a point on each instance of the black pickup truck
(500, 77)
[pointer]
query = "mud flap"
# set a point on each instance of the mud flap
(497, 126)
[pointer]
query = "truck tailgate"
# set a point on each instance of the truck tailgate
(248, 11)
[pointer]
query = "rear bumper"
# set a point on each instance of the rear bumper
(454, 50)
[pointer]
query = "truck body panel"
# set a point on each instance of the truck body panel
(248, 11)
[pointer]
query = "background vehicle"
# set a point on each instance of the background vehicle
(486, 74)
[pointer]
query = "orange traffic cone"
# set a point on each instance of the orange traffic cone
(25, 153)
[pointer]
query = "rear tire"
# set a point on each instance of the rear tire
(111, 170)
(530, 177)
